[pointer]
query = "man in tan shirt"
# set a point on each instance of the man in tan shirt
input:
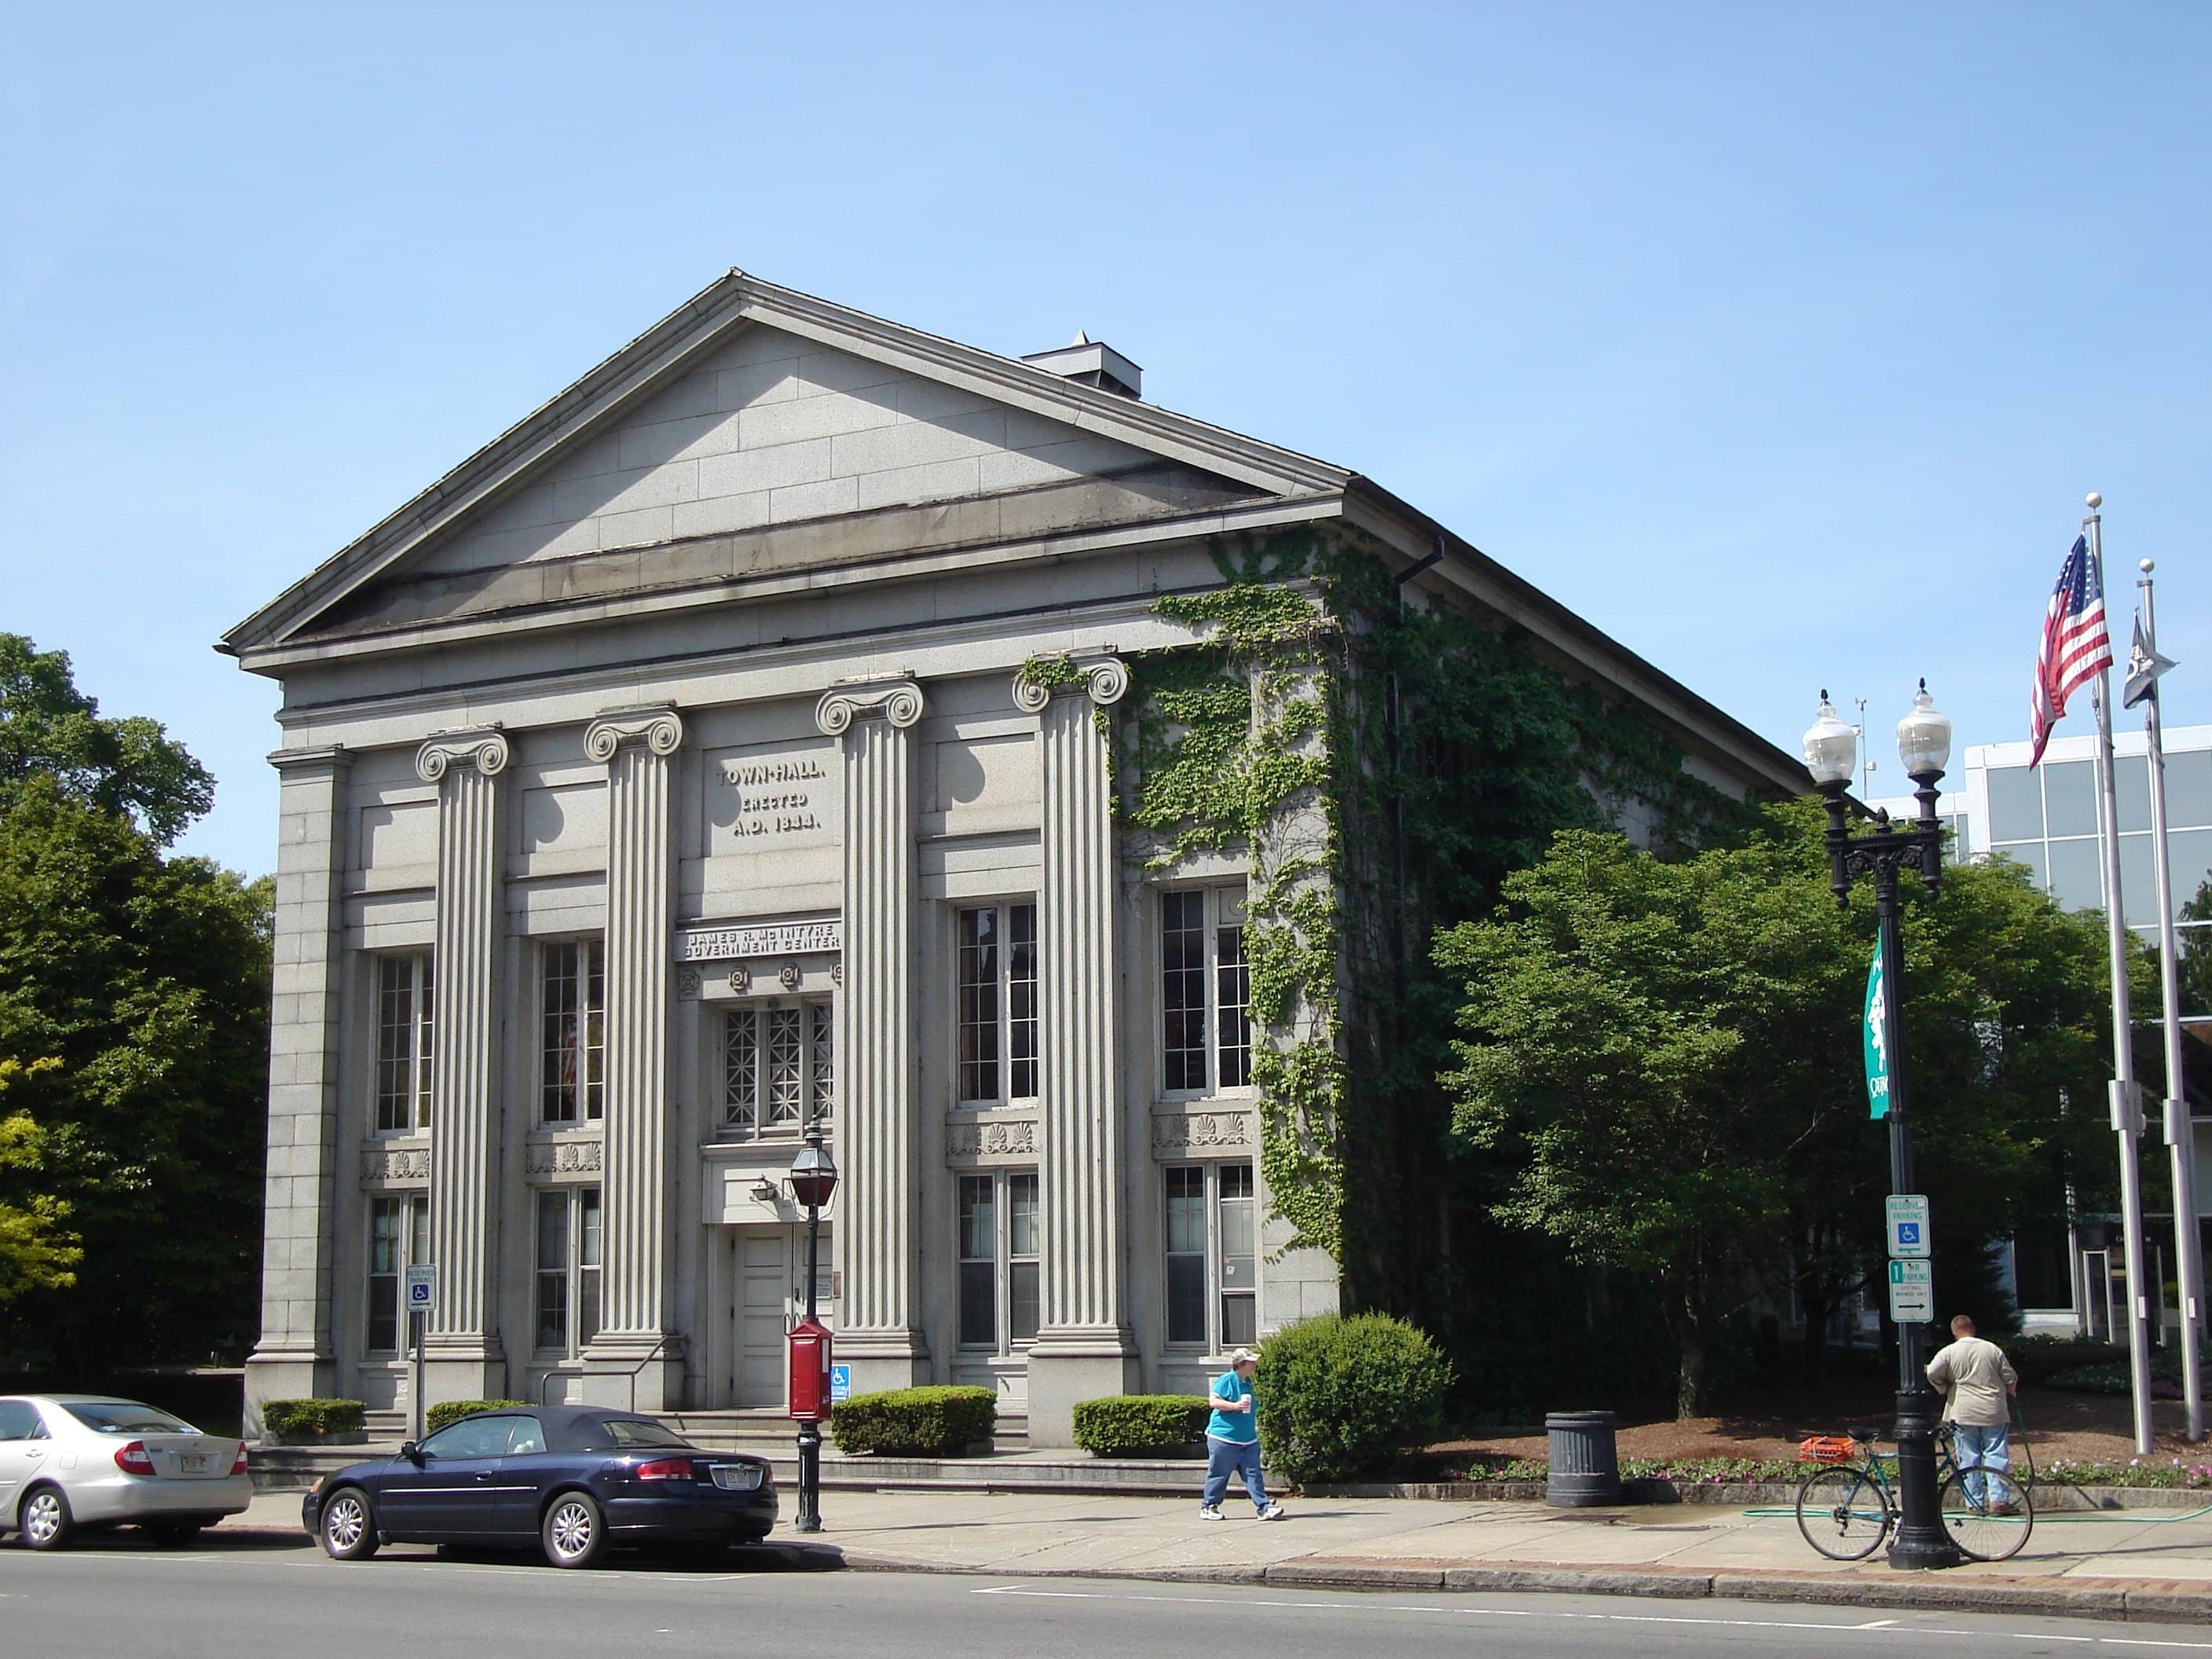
(1978, 1383)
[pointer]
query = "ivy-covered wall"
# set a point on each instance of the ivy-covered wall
(1383, 765)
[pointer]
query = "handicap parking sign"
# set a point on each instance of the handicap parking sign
(840, 1383)
(421, 1287)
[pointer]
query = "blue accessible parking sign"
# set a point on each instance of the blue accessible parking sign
(841, 1384)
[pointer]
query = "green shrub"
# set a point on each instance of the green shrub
(915, 1422)
(311, 1419)
(452, 1411)
(1338, 1397)
(1131, 1425)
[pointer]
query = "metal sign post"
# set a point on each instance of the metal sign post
(422, 1294)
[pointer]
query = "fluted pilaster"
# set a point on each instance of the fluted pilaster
(465, 1097)
(878, 1221)
(1080, 1108)
(636, 747)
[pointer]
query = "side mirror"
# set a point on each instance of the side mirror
(411, 1452)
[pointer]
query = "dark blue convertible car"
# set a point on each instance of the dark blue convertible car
(579, 1479)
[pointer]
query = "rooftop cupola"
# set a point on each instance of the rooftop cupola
(1094, 363)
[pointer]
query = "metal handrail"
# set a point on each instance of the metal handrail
(658, 1351)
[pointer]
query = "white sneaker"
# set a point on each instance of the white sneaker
(1209, 1511)
(1273, 1512)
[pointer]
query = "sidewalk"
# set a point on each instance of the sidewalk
(2153, 1565)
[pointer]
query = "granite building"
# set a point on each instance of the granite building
(667, 775)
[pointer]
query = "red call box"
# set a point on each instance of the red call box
(809, 1372)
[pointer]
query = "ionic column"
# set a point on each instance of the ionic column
(1083, 1350)
(636, 746)
(879, 1329)
(462, 1353)
(294, 1358)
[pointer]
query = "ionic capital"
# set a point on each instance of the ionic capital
(898, 701)
(1105, 679)
(484, 749)
(660, 730)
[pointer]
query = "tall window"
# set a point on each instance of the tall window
(571, 1003)
(1001, 1298)
(1211, 1258)
(402, 1044)
(998, 1004)
(778, 1068)
(1206, 1034)
(567, 1268)
(399, 1234)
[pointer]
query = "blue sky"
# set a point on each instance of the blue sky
(1781, 341)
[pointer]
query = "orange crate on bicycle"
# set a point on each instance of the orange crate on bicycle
(1826, 1449)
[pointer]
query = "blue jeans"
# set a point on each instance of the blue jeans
(1983, 1445)
(1227, 1457)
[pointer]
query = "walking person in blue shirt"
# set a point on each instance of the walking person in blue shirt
(1232, 1440)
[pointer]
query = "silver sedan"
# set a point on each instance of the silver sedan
(69, 1462)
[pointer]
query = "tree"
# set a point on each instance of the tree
(50, 730)
(145, 979)
(1664, 1058)
(36, 1248)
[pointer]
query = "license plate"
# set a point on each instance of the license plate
(743, 1478)
(192, 1462)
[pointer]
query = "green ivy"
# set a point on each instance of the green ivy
(1273, 735)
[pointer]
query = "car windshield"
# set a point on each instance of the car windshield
(640, 1431)
(125, 1417)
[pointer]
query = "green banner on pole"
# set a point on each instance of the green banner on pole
(1877, 1040)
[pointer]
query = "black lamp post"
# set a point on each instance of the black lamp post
(813, 1179)
(1924, 742)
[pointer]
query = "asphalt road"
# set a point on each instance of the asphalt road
(245, 1602)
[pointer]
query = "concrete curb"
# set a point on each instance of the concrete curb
(2161, 1602)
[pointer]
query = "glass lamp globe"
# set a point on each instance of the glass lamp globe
(1923, 738)
(1831, 748)
(813, 1172)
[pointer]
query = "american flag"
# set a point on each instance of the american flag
(2076, 647)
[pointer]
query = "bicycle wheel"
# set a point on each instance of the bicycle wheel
(1987, 1513)
(1841, 1511)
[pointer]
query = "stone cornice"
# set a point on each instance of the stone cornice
(1105, 678)
(660, 730)
(332, 758)
(485, 749)
(898, 701)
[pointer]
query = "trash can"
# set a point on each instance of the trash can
(1585, 1468)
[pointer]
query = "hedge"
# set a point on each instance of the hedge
(1131, 1425)
(311, 1419)
(933, 1422)
(1338, 1397)
(452, 1411)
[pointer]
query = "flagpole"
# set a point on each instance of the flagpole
(2180, 1132)
(2127, 1113)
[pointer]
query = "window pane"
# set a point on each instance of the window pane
(419, 1228)
(1239, 1324)
(2077, 876)
(553, 1270)
(2189, 789)
(979, 1313)
(979, 1004)
(395, 1042)
(1236, 1181)
(741, 1070)
(2029, 854)
(425, 1048)
(822, 1080)
(1022, 1001)
(561, 1004)
(2131, 783)
(1187, 1209)
(1182, 989)
(595, 1036)
(978, 1232)
(786, 1067)
(383, 1275)
(1022, 1236)
(2138, 881)
(1233, 997)
(2016, 804)
(2189, 856)
(1023, 1302)
(1186, 1298)
(2069, 797)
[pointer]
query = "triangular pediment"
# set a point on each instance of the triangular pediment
(755, 409)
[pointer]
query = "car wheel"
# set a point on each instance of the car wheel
(576, 1532)
(348, 1525)
(45, 1519)
(172, 1534)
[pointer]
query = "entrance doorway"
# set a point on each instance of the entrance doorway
(768, 1296)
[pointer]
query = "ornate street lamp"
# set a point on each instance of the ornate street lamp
(813, 1179)
(1923, 744)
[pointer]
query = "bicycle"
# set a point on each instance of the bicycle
(1846, 1508)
